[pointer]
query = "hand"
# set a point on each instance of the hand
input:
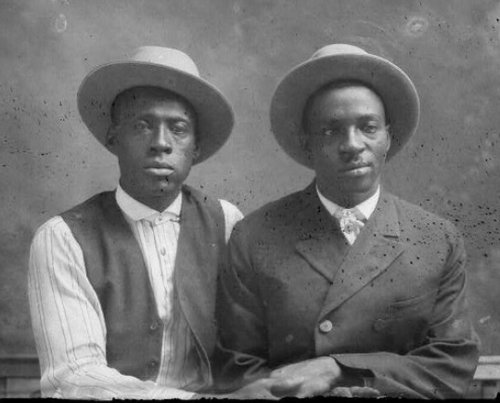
(354, 391)
(259, 389)
(307, 378)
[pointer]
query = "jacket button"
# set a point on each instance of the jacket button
(326, 326)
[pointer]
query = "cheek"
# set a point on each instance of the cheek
(185, 146)
(325, 150)
(183, 155)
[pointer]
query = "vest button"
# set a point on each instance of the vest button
(153, 363)
(154, 325)
(326, 326)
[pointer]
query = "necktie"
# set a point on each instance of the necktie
(350, 221)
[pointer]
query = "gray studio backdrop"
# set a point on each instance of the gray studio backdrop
(49, 162)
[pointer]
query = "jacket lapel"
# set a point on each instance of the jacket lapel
(320, 242)
(376, 247)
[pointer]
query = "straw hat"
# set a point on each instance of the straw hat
(158, 67)
(339, 62)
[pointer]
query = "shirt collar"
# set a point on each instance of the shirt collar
(135, 210)
(366, 207)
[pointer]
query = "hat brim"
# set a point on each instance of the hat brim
(100, 87)
(393, 86)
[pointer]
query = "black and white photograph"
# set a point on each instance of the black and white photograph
(249, 199)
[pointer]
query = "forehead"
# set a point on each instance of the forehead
(145, 99)
(346, 99)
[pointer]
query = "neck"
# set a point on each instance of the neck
(345, 199)
(158, 203)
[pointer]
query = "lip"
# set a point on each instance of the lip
(159, 169)
(357, 170)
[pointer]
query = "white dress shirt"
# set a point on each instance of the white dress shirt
(68, 322)
(366, 208)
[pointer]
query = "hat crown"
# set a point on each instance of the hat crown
(167, 57)
(338, 49)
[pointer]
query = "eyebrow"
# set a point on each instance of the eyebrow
(175, 117)
(358, 118)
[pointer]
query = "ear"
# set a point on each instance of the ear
(111, 139)
(389, 139)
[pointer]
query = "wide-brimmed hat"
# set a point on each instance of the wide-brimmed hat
(342, 62)
(157, 67)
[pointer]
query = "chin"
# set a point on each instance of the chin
(361, 185)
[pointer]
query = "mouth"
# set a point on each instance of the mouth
(357, 169)
(163, 170)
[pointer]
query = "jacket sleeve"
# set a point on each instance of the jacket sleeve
(241, 349)
(444, 365)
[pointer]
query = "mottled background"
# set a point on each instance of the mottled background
(49, 162)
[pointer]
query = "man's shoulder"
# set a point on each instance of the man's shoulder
(57, 224)
(416, 217)
(54, 225)
(230, 210)
(279, 212)
(90, 205)
(200, 197)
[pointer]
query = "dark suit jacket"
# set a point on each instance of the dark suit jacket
(395, 299)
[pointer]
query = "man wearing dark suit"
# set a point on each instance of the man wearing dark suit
(343, 288)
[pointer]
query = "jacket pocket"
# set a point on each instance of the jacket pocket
(407, 312)
(427, 296)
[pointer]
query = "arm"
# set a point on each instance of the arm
(445, 364)
(239, 357)
(69, 327)
(231, 216)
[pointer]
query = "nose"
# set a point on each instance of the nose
(352, 142)
(162, 140)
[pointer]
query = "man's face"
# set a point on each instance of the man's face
(348, 140)
(153, 136)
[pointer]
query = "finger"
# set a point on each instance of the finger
(284, 371)
(364, 391)
(286, 387)
(341, 391)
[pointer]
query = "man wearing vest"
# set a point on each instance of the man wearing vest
(342, 288)
(122, 286)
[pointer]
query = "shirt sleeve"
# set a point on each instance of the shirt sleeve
(231, 216)
(69, 327)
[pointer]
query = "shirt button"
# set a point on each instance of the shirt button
(163, 251)
(326, 326)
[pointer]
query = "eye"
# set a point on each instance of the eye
(180, 127)
(330, 131)
(141, 126)
(370, 128)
